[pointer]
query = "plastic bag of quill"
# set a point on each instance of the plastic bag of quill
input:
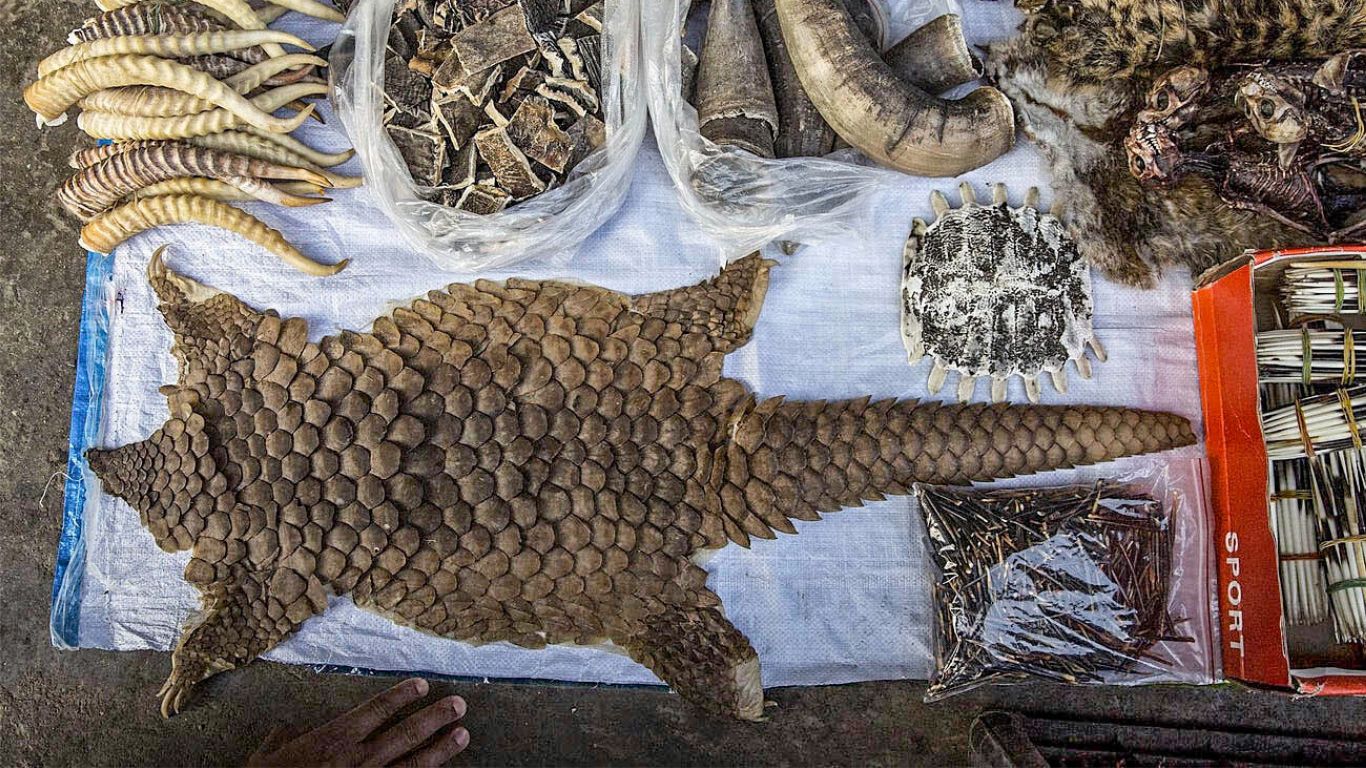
(1325, 431)
(1070, 584)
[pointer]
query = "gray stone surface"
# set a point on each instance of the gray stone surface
(90, 707)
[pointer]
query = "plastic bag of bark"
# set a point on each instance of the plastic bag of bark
(1106, 582)
(493, 131)
(743, 198)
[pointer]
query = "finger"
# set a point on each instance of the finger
(358, 724)
(409, 734)
(441, 750)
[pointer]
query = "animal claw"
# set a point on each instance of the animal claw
(998, 389)
(1031, 199)
(939, 203)
(965, 192)
(1099, 351)
(1083, 366)
(967, 386)
(938, 375)
(1060, 380)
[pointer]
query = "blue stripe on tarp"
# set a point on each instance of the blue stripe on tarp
(87, 401)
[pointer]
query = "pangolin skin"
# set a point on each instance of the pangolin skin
(529, 461)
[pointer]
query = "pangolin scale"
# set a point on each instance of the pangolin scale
(527, 461)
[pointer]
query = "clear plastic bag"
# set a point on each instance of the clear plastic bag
(552, 223)
(743, 200)
(1107, 582)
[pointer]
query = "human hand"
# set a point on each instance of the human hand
(360, 737)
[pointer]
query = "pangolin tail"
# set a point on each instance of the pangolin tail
(794, 460)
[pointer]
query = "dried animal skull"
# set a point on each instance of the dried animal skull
(1274, 106)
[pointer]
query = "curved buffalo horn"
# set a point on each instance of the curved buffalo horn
(935, 57)
(734, 95)
(878, 112)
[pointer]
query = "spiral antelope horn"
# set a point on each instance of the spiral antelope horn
(108, 230)
(290, 193)
(236, 11)
(155, 101)
(51, 96)
(100, 186)
(168, 46)
(308, 8)
(110, 125)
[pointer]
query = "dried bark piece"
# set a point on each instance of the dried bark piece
(521, 85)
(493, 41)
(424, 151)
(402, 40)
(575, 94)
(460, 118)
(533, 461)
(483, 199)
(495, 115)
(475, 11)
(533, 130)
(452, 78)
(587, 135)
(508, 164)
(463, 168)
(591, 16)
(569, 48)
(405, 89)
(543, 19)
(590, 51)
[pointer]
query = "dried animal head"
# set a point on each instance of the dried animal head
(526, 461)
(1154, 156)
(1274, 106)
(1174, 91)
(991, 292)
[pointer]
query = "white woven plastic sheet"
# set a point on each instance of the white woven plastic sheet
(846, 600)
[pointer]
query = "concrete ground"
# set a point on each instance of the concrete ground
(91, 707)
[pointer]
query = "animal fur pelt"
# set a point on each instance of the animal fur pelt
(1077, 71)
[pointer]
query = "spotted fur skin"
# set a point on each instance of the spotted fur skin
(529, 461)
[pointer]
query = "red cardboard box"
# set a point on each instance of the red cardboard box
(1231, 303)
